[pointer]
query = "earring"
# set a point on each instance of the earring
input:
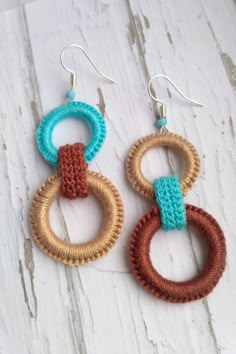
(74, 181)
(171, 213)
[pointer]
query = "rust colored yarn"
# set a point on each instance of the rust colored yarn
(172, 291)
(73, 169)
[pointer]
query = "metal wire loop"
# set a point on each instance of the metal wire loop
(163, 106)
(72, 72)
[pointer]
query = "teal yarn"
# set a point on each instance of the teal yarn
(78, 110)
(170, 200)
(70, 94)
(161, 122)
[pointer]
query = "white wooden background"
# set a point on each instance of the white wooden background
(46, 307)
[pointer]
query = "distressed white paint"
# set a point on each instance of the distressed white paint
(100, 309)
(9, 4)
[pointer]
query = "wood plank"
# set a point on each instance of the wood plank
(99, 308)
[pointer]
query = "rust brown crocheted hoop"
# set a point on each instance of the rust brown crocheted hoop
(69, 253)
(178, 292)
(133, 163)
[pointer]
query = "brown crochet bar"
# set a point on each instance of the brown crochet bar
(73, 169)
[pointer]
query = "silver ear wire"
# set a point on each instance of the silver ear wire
(163, 106)
(72, 72)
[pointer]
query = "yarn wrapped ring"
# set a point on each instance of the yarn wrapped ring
(172, 291)
(79, 110)
(71, 253)
(133, 162)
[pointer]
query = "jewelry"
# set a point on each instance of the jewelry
(74, 181)
(170, 213)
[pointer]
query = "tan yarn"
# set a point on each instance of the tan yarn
(69, 253)
(133, 163)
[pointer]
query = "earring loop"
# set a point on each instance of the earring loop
(72, 72)
(171, 213)
(73, 181)
(162, 105)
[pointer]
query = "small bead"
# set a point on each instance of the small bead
(161, 122)
(70, 94)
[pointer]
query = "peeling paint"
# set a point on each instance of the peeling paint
(137, 38)
(77, 333)
(29, 264)
(230, 68)
(24, 288)
(169, 38)
(169, 93)
(35, 112)
(32, 72)
(146, 22)
(136, 34)
(231, 124)
(210, 325)
(80, 324)
(101, 105)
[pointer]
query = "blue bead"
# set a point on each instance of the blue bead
(70, 94)
(161, 122)
(170, 200)
(78, 110)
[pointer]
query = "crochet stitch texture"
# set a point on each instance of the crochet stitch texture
(170, 200)
(78, 110)
(73, 170)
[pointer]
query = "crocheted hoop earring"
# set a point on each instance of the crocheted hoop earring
(170, 214)
(74, 181)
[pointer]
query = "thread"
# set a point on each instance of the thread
(72, 253)
(133, 162)
(78, 110)
(73, 171)
(170, 200)
(168, 290)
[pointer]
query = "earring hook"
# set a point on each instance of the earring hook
(72, 72)
(163, 106)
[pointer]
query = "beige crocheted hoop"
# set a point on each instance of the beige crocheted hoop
(133, 163)
(70, 253)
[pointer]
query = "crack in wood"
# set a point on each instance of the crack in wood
(230, 68)
(29, 264)
(101, 105)
(24, 288)
(35, 104)
(75, 320)
(136, 36)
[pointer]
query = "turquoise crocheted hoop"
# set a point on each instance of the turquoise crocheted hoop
(79, 110)
(169, 197)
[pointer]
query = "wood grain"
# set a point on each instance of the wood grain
(100, 309)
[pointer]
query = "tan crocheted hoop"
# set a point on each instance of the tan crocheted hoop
(69, 253)
(133, 163)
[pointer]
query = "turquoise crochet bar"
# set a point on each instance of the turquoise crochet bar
(170, 200)
(78, 110)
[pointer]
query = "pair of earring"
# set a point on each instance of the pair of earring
(74, 180)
